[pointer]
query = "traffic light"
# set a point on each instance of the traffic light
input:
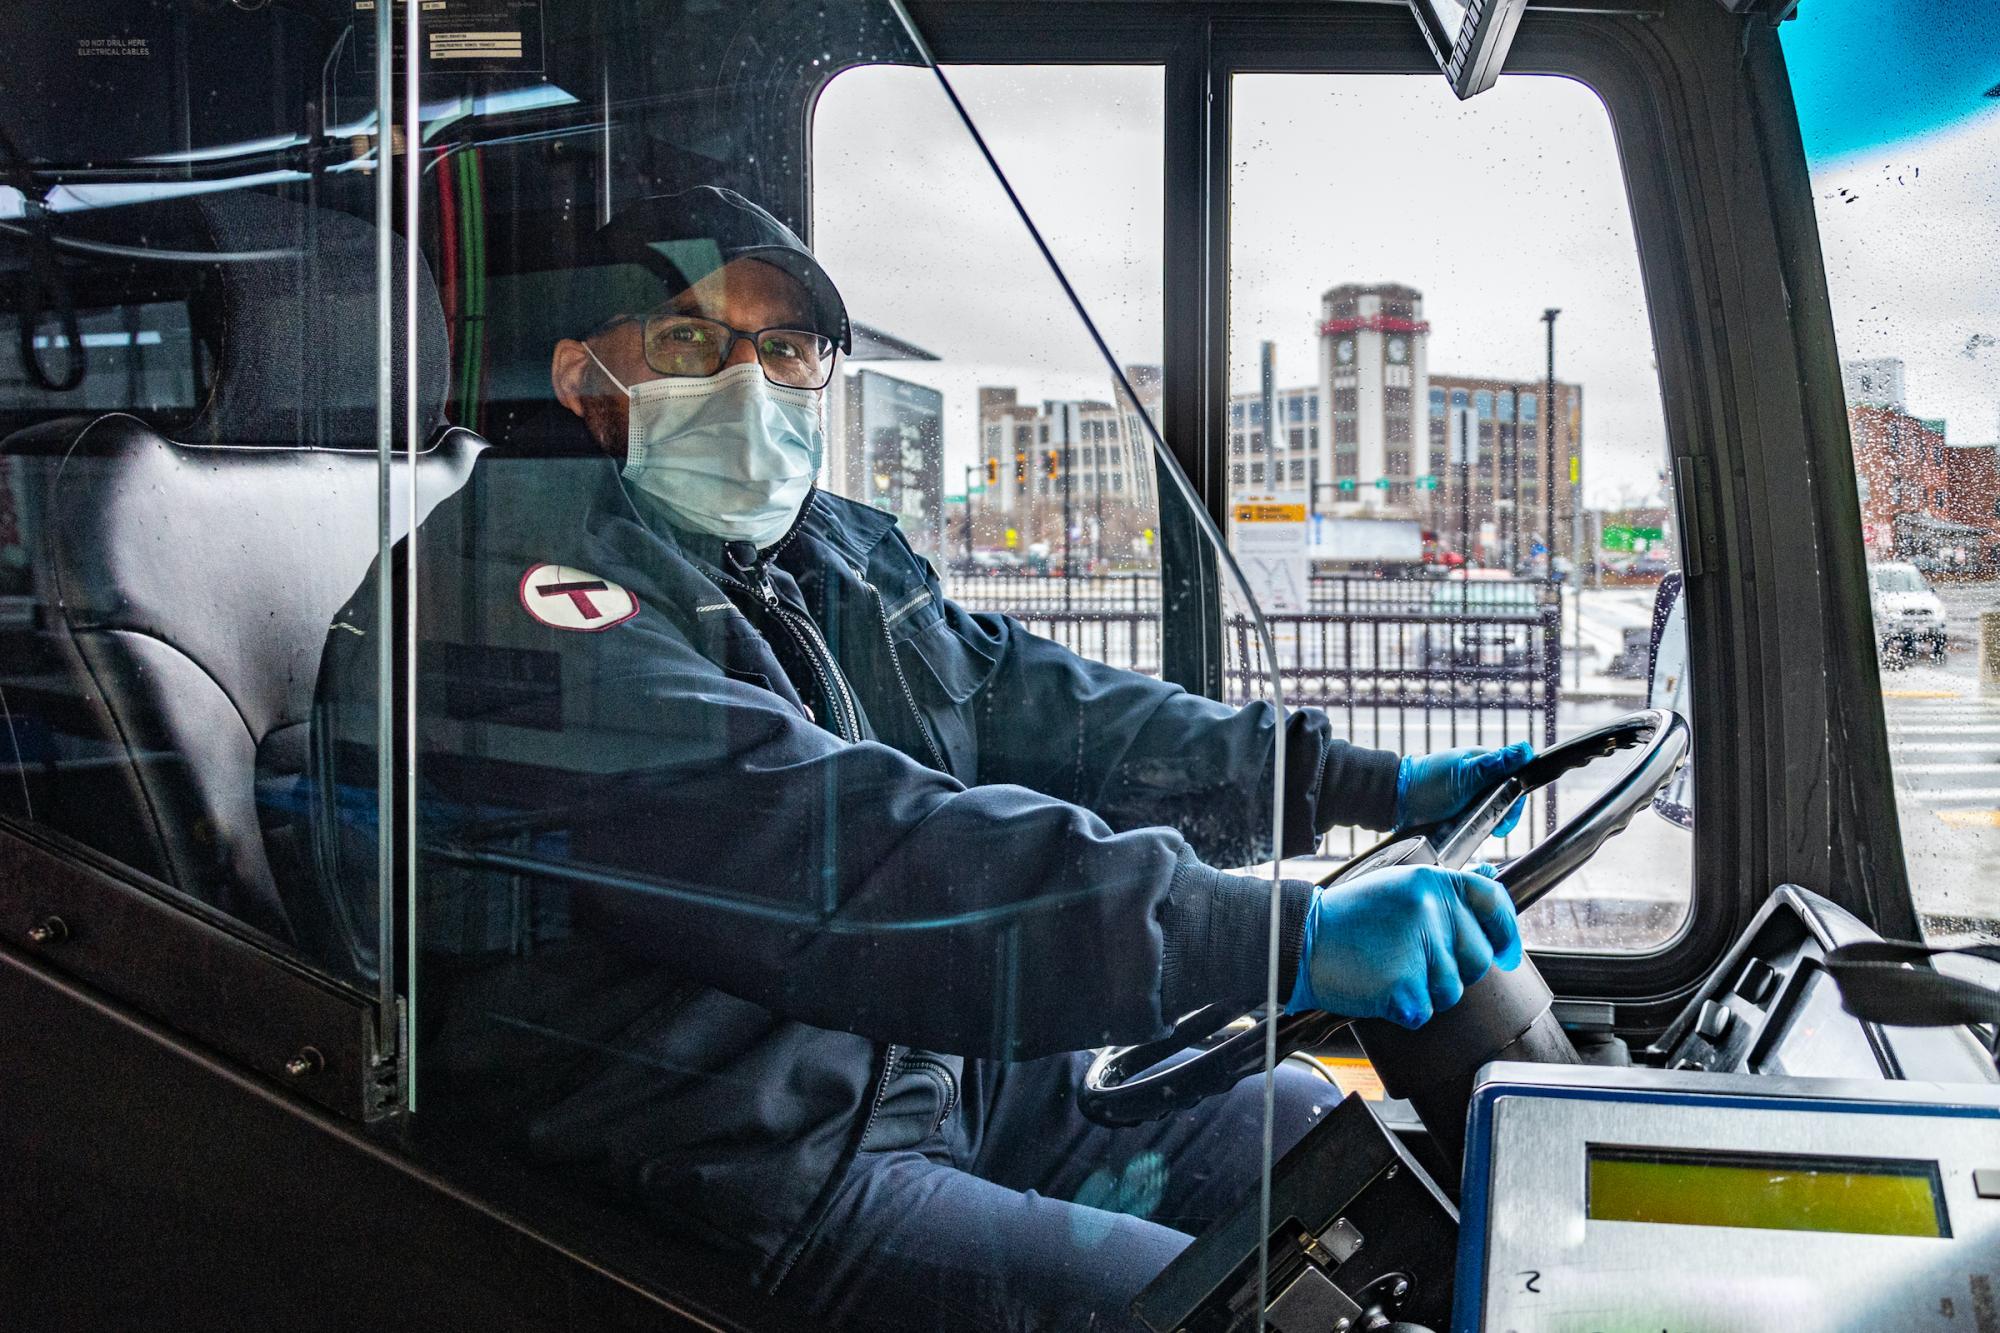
(1021, 467)
(1049, 468)
(992, 472)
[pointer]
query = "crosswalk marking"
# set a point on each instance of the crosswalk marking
(1967, 795)
(1945, 730)
(1948, 747)
(1969, 818)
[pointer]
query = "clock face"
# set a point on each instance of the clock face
(1398, 349)
(1344, 349)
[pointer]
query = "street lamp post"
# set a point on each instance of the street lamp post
(1467, 424)
(1549, 546)
(1549, 449)
(970, 472)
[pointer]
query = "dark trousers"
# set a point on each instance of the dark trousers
(1021, 1214)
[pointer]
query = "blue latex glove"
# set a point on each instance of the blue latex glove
(1430, 787)
(1403, 943)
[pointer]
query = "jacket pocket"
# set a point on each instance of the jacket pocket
(956, 669)
(945, 672)
(757, 678)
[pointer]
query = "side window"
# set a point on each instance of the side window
(1013, 459)
(1456, 555)
(1903, 153)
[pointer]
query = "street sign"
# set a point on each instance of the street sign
(1268, 534)
(1624, 537)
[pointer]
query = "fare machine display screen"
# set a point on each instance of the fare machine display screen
(1768, 1192)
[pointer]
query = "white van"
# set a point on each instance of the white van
(1908, 615)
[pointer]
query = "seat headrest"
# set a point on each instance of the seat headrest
(290, 313)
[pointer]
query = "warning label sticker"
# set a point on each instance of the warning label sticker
(472, 45)
(461, 36)
(1353, 1075)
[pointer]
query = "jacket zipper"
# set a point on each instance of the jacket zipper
(919, 1060)
(846, 714)
(822, 657)
(903, 681)
(889, 1066)
(889, 1062)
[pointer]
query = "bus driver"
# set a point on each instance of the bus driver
(770, 890)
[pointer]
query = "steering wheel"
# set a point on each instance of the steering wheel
(1502, 1013)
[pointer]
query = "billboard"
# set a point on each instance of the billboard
(895, 453)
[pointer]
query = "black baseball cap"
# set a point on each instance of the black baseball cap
(682, 237)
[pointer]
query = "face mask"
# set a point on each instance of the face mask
(732, 455)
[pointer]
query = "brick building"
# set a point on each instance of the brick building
(1924, 499)
(1507, 508)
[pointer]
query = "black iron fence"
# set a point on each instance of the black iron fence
(1405, 664)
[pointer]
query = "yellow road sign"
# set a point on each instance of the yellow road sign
(1270, 513)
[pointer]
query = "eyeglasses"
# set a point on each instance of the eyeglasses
(688, 347)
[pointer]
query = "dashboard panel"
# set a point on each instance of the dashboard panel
(1772, 1008)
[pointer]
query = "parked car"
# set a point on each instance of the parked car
(1537, 567)
(1650, 566)
(1908, 616)
(986, 564)
(1502, 633)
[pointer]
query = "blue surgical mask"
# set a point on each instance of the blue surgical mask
(732, 455)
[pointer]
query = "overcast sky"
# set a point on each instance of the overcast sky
(1495, 208)
(1911, 235)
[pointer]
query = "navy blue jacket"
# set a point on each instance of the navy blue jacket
(699, 917)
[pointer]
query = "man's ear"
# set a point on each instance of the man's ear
(568, 370)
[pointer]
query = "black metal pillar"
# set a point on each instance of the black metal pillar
(970, 472)
(1553, 679)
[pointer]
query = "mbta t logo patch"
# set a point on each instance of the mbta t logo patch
(565, 598)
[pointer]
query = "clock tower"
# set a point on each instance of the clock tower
(1374, 381)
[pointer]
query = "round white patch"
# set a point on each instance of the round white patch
(565, 598)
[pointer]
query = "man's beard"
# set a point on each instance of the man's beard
(605, 419)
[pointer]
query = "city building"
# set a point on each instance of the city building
(1073, 475)
(1372, 437)
(893, 457)
(1924, 499)
(1503, 512)
(1287, 458)
(1373, 375)
(1873, 383)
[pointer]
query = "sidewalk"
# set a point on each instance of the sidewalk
(1607, 613)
